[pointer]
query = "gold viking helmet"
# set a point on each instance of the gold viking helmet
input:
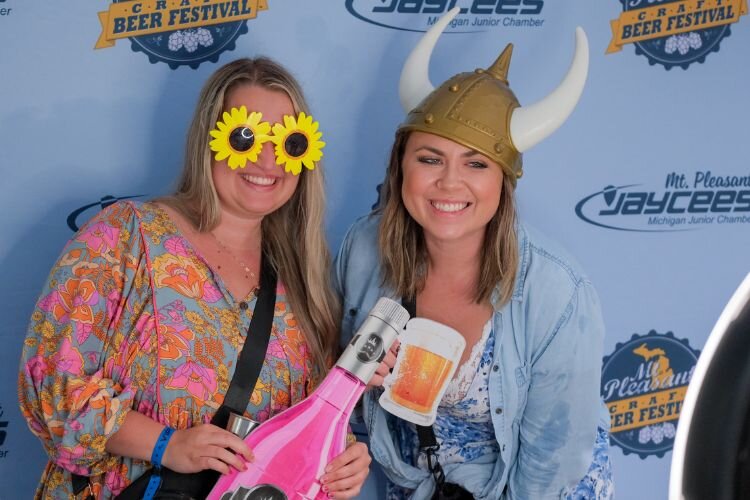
(479, 110)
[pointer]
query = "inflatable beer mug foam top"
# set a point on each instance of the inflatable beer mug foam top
(426, 362)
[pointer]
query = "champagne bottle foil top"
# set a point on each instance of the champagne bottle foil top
(373, 339)
(391, 312)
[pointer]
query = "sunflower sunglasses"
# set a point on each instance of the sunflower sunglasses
(240, 136)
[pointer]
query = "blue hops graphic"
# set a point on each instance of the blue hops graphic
(643, 385)
(683, 49)
(190, 39)
(680, 49)
(190, 47)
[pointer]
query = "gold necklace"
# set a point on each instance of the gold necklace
(248, 272)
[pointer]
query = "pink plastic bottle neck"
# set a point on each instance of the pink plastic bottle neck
(341, 389)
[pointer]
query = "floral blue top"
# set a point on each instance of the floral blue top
(463, 429)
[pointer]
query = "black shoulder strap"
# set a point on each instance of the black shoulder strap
(250, 360)
(410, 304)
(427, 442)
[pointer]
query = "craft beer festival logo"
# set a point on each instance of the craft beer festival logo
(675, 32)
(644, 382)
(178, 32)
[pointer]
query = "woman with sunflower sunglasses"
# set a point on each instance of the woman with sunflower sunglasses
(136, 336)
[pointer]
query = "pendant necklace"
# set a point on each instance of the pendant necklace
(248, 272)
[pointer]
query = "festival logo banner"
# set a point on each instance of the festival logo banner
(686, 201)
(675, 32)
(178, 32)
(644, 382)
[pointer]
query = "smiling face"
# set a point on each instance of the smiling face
(262, 186)
(450, 190)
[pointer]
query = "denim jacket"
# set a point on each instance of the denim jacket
(543, 385)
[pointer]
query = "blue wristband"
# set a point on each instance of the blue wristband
(161, 446)
(152, 487)
(155, 480)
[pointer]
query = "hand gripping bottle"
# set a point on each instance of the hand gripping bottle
(293, 448)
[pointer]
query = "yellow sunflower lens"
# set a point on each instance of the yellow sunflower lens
(239, 137)
(297, 143)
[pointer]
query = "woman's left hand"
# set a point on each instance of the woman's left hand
(346, 473)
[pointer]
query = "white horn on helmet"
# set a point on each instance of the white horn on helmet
(415, 80)
(531, 124)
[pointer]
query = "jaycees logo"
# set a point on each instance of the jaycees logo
(475, 15)
(675, 32)
(686, 201)
(178, 32)
(644, 382)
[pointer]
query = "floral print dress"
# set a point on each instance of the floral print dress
(132, 317)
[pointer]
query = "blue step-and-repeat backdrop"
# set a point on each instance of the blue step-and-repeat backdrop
(647, 184)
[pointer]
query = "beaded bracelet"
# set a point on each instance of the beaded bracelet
(161, 445)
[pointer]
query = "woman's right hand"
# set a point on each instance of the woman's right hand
(385, 367)
(206, 446)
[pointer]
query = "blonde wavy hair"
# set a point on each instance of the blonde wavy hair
(403, 253)
(293, 236)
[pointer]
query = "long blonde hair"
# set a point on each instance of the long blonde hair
(293, 236)
(403, 252)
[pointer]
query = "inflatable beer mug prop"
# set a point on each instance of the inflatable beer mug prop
(426, 362)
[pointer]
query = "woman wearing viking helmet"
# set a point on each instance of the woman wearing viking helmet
(521, 418)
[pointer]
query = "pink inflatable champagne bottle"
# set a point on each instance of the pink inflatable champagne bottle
(293, 448)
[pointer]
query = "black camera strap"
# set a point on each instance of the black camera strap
(244, 379)
(427, 442)
(429, 446)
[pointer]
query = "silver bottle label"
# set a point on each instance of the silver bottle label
(371, 350)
